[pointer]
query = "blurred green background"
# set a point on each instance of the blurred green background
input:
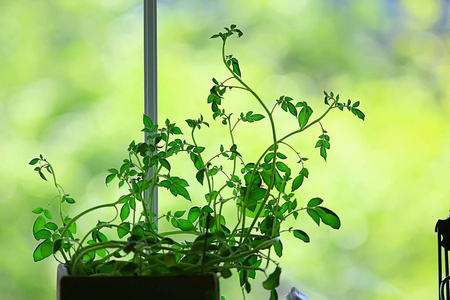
(71, 88)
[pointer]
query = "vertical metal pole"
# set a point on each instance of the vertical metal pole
(439, 261)
(150, 73)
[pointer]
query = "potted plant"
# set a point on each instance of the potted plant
(261, 193)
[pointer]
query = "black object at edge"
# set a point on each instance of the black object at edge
(443, 234)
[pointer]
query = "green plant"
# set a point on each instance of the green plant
(260, 192)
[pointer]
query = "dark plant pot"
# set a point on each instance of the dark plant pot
(195, 287)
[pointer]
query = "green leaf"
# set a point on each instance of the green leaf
(292, 109)
(147, 121)
(124, 212)
(179, 213)
(51, 226)
(43, 250)
(304, 172)
(283, 167)
(235, 65)
(123, 229)
(109, 178)
(257, 194)
(314, 202)
(328, 217)
(165, 163)
(278, 247)
(312, 213)
(43, 234)
(268, 157)
(185, 225)
(99, 236)
(196, 160)
(257, 117)
(297, 182)
(323, 152)
(358, 113)
(42, 175)
(200, 176)
(70, 200)
(39, 224)
(319, 143)
(183, 192)
(73, 227)
(193, 214)
(34, 161)
(301, 235)
(281, 155)
(38, 210)
(304, 115)
(273, 280)
(57, 245)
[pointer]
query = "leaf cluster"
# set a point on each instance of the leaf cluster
(261, 192)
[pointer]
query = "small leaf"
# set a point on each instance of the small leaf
(39, 224)
(165, 163)
(273, 280)
(43, 234)
(301, 235)
(312, 213)
(283, 167)
(235, 65)
(147, 121)
(34, 161)
(257, 117)
(179, 213)
(292, 109)
(304, 171)
(109, 178)
(183, 192)
(43, 250)
(297, 182)
(57, 245)
(185, 225)
(200, 176)
(51, 226)
(359, 114)
(124, 212)
(304, 115)
(193, 214)
(42, 175)
(281, 155)
(257, 194)
(38, 210)
(268, 157)
(314, 202)
(323, 152)
(278, 247)
(123, 229)
(328, 217)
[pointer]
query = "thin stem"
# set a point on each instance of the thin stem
(274, 137)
